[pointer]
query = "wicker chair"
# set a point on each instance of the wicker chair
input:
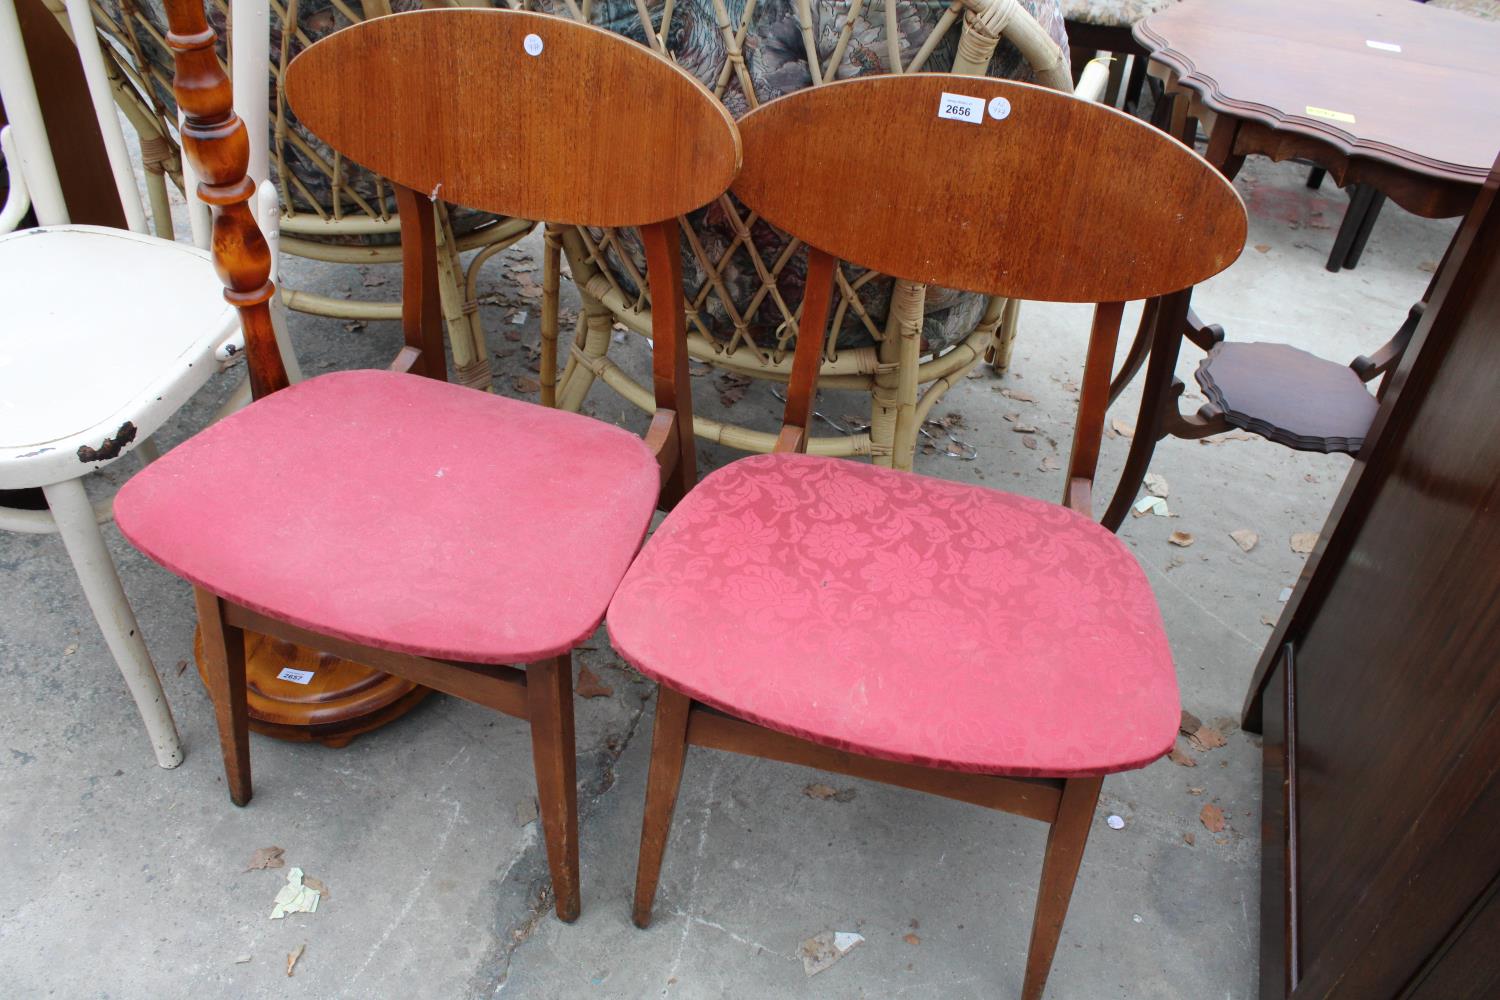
(744, 278)
(332, 210)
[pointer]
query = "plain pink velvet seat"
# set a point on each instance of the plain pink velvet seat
(339, 505)
(903, 617)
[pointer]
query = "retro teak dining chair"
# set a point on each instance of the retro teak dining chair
(322, 513)
(800, 608)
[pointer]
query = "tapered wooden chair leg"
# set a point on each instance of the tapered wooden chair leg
(224, 671)
(549, 695)
(668, 752)
(1065, 843)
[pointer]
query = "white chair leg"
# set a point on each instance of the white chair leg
(101, 585)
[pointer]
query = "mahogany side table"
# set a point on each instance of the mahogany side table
(1399, 96)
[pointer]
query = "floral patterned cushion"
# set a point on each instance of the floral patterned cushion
(1113, 13)
(903, 617)
(1489, 10)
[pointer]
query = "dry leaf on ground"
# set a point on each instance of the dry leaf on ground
(1123, 429)
(1206, 738)
(1024, 428)
(732, 388)
(182, 666)
(266, 857)
(590, 686)
(1189, 724)
(1212, 817)
(1181, 538)
(1268, 620)
(1262, 247)
(525, 384)
(1156, 484)
(826, 792)
(912, 939)
(1189, 839)
(1176, 756)
(291, 959)
(1050, 464)
(1303, 542)
(1029, 442)
(1231, 436)
(1245, 539)
(316, 885)
(1018, 395)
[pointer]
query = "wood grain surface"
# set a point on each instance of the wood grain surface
(453, 103)
(1046, 203)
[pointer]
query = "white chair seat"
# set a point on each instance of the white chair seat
(105, 334)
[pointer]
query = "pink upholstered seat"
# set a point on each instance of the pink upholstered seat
(903, 617)
(404, 513)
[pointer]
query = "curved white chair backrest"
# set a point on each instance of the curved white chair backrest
(86, 40)
(30, 139)
(28, 132)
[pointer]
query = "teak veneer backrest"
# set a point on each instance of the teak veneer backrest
(1062, 200)
(482, 108)
(988, 186)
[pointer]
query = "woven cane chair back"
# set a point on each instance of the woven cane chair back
(742, 275)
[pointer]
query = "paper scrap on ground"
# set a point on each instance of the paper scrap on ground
(1181, 538)
(295, 897)
(822, 950)
(1151, 505)
(1245, 539)
(1116, 822)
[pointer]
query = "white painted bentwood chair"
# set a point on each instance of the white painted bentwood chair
(104, 335)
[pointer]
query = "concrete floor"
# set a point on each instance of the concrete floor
(126, 881)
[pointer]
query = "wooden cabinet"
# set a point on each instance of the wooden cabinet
(1379, 696)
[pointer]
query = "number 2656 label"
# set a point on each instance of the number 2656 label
(960, 108)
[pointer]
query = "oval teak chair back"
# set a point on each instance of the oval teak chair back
(1058, 200)
(486, 103)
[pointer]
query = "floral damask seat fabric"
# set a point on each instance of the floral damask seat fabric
(903, 617)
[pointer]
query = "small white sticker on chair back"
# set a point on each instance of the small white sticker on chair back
(999, 108)
(295, 676)
(532, 44)
(960, 108)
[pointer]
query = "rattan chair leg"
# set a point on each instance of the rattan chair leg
(1005, 337)
(551, 266)
(903, 337)
(471, 361)
(598, 321)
